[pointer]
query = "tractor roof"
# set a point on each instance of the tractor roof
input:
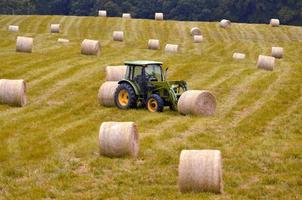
(142, 62)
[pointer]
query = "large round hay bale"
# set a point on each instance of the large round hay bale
(126, 15)
(62, 40)
(275, 22)
(90, 47)
(118, 139)
(55, 28)
(24, 44)
(13, 92)
(159, 16)
(13, 28)
(238, 56)
(277, 52)
(118, 36)
(106, 93)
(225, 23)
(115, 73)
(171, 48)
(200, 171)
(102, 13)
(195, 31)
(198, 38)
(154, 44)
(266, 62)
(197, 102)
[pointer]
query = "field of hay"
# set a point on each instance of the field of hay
(49, 149)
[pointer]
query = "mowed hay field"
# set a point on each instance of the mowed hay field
(49, 148)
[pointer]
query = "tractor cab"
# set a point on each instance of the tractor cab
(145, 84)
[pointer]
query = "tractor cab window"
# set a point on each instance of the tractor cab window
(153, 72)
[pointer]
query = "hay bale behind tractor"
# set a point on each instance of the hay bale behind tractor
(275, 22)
(24, 44)
(90, 47)
(171, 48)
(118, 36)
(106, 93)
(115, 73)
(159, 16)
(13, 92)
(62, 40)
(266, 62)
(118, 139)
(13, 28)
(195, 31)
(238, 56)
(225, 23)
(102, 13)
(55, 28)
(198, 38)
(126, 16)
(277, 52)
(154, 44)
(197, 102)
(200, 171)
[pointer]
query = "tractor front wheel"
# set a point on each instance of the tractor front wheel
(155, 103)
(125, 97)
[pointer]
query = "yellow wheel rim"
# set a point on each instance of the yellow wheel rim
(152, 105)
(123, 97)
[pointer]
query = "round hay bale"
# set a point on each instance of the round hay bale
(266, 62)
(238, 56)
(154, 44)
(225, 23)
(126, 15)
(159, 16)
(275, 22)
(277, 52)
(197, 102)
(24, 44)
(200, 171)
(198, 38)
(195, 31)
(102, 13)
(62, 40)
(106, 93)
(55, 28)
(118, 36)
(171, 48)
(115, 73)
(13, 92)
(13, 28)
(118, 139)
(90, 47)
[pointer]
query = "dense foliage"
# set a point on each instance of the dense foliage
(256, 11)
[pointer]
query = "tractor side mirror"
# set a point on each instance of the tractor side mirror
(166, 73)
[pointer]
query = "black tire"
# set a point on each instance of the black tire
(132, 98)
(155, 103)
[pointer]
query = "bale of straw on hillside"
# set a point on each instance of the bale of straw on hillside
(13, 28)
(200, 171)
(90, 47)
(24, 44)
(266, 62)
(159, 16)
(238, 56)
(126, 15)
(171, 48)
(275, 22)
(102, 13)
(62, 40)
(225, 23)
(154, 44)
(106, 93)
(195, 31)
(118, 36)
(197, 102)
(277, 52)
(13, 92)
(115, 73)
(55, 28)
(118, 139)
(198, 38)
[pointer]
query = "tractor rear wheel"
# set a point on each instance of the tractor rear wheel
(125, 97)
(155, 103)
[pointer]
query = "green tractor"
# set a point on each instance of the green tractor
(145, 85)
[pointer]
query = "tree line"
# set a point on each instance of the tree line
(250, 11)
